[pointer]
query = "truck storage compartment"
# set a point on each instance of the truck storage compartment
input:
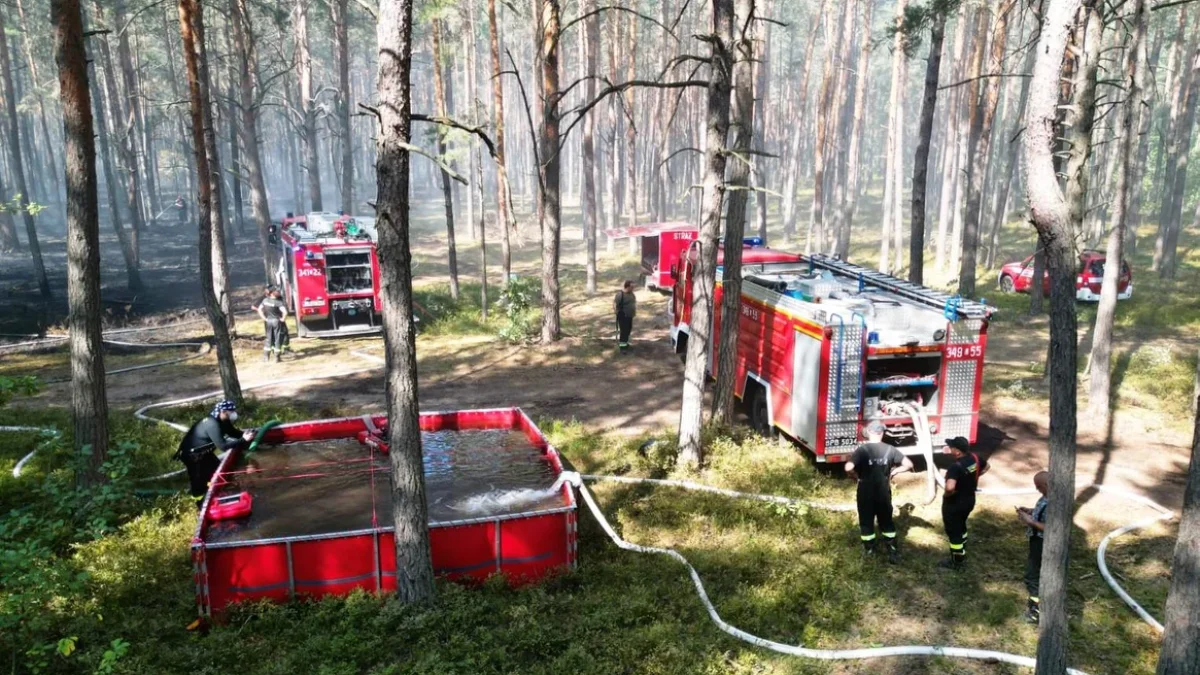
(348, 272)
(891, 383)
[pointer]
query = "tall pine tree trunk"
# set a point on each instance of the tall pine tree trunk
(503, 196)
(1180, 654)
(691, 412)
(414, 562)
(933, 67)
(191, 28)
(1051, 216)
(31, 63)
(89, 403)
(741, 123)
(247, 64)
(308, 113)
(591, 41)
(339, 15)
(548, 164)
(17, 165)
(441, 97)
(792, 174)
(1132, 75)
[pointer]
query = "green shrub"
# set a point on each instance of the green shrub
(517, 300)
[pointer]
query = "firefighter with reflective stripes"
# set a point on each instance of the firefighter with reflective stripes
(273, 311)
(1035, 528)
(625, 307)
(874, 464)
(962, 479)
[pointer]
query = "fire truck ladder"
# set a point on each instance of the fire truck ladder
(953, 306)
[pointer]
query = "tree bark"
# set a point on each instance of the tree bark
(816, 219)
(339, 14)
(17, 166)
(916, 245)
(414, 566)
(895, 100)
(548, 164)
(89, 403)
(1180, 654)
(308, 135)
(133, 122)
(41, 99)
(1000, 213)
(1081, 114)
(1050, 214)
(741, 125)
(247, 64)
(1167, 244)
(798, 126)
(503, 193)
(849, 201)
(761, 95)
(691, 414)
(133, 276)
(591, 41)
(1132, 73)
(981, 146)
(441, 97)
(191, 29)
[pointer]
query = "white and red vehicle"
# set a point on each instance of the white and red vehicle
(825, 347)
(661, 246)
(329, 273)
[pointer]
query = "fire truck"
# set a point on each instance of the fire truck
(826, 347)
(661, 246)
(329, 273)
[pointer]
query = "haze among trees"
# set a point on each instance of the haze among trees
(913, 134)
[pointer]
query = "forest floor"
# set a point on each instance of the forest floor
(599, 405)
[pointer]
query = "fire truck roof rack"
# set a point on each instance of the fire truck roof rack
(953, 306)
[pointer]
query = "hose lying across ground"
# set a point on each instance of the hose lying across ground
(924, 439)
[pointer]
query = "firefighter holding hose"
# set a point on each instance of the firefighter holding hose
(211, 435)
(273, 311)
(962, 479)
(874, 464)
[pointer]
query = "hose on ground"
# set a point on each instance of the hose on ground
(779, 647)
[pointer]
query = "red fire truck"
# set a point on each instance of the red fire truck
(661, 245)
(329, 273)
(825, 346)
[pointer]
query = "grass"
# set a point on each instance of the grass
(793, 575)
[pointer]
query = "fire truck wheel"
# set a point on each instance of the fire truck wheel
(756, 409)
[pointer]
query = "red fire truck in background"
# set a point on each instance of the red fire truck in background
(661, 246)
(825, 347)
(329, 273)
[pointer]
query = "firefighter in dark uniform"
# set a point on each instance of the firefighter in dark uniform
(211, 435)
(874, 463)
(625, 307)
(1035, 528)
(962, 479)
(273, 311)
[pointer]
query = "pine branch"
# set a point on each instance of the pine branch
(618, 8)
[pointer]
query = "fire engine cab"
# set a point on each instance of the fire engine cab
(825, 347)
(329, 273)
(661, 246)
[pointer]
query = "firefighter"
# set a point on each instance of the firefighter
(200, 445)
(181, 210)
(625, 308)
(874, 464)
(1035, 529)
(962, 479)
(273, 311)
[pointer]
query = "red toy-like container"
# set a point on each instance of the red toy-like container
(232, 563)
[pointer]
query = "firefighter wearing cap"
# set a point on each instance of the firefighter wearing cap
(874, 464)
(962, 479)
(200, 445)
(273, 311)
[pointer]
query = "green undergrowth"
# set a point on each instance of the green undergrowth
(791, 574)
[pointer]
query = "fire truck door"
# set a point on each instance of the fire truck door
(806, 375)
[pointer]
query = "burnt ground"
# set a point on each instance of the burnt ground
(582, 377)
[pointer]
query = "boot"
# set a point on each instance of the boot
(954, 562)
(266, 356)
(869, 548)
(893, 551)
(278, 356)
(1033, 612)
